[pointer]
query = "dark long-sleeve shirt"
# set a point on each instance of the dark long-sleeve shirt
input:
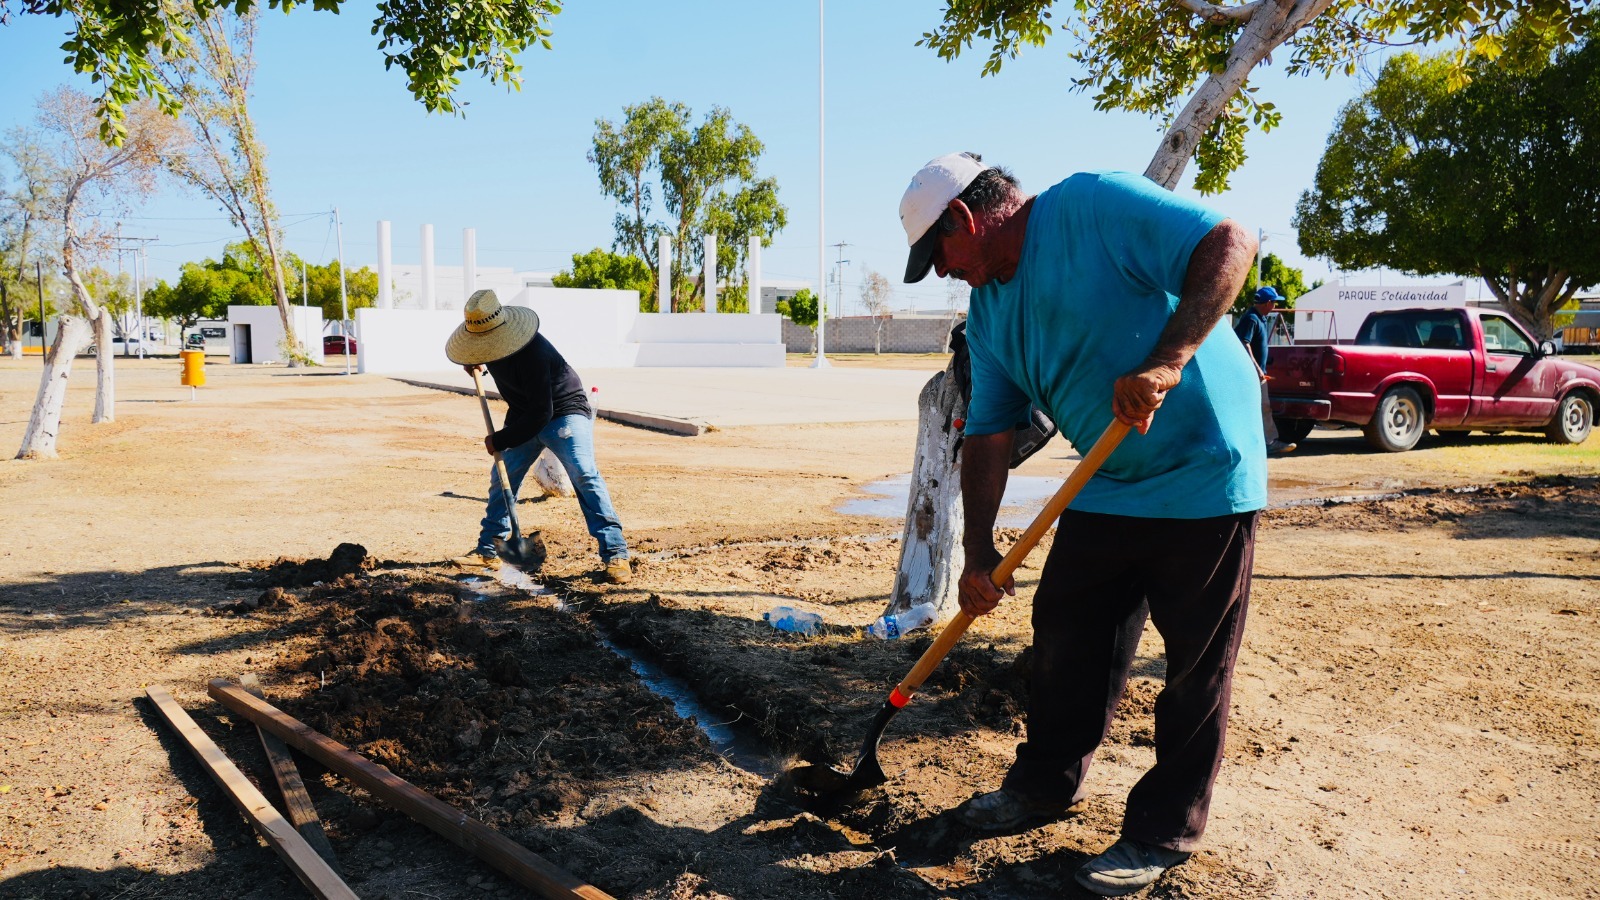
(538, 385)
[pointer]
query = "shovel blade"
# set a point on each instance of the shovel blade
(526, 552)
(826, 783)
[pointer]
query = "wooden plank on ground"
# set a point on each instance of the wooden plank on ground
(310, 868)
(522, 865)
(296, 801)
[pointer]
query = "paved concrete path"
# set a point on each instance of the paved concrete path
(728, 398)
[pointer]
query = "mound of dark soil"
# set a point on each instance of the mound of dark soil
(346, 559)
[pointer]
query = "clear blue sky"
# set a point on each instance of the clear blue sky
(342, 131)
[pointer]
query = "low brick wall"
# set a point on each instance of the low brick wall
(857, 334)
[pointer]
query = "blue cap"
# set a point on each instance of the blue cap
(1268, 295)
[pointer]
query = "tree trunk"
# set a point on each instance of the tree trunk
(105, 383)
(44, 424)
(931, 556)
(551, 476)
(1265, 30)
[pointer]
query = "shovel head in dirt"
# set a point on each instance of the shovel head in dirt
(525, 551)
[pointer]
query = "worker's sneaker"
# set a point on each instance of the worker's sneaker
(1128, 866)
(1005, 809)
(477, 559)
(1279, 448)
(618, 571)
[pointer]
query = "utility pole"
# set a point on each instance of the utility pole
(344, 305)
(838, 277)
(1261, 238)
(137, 249)
(821, 362)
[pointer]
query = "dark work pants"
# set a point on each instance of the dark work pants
(1103, 577)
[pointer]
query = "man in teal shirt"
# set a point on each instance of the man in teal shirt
(1099, 299)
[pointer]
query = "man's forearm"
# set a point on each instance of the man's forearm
(1217, 270)
(984, 460)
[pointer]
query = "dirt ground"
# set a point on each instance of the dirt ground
(1416, 712)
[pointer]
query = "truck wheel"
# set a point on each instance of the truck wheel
(1399, 421)
(1574, 419)
(1293, 430)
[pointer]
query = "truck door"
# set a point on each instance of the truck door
(1516, 385)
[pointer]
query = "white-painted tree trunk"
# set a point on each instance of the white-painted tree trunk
(44, 424)
(1265, 30)
(931, 556)
(105, 383)
(551, 476)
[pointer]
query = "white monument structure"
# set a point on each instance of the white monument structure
(592, 328)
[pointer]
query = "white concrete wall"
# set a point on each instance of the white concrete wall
(403, 340)
(591, 328)
(266, 331)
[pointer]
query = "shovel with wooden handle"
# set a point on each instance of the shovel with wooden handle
(828, 785)
(526, 553)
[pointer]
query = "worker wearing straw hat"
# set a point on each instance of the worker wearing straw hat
(548, 409)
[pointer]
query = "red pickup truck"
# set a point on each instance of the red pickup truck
(1454, 370)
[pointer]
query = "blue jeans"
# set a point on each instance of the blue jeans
(571, 439)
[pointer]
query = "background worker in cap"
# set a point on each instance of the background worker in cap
(1100, 298)
(547, 408)
(1253, 330)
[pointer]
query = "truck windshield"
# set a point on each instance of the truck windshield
(1421, 329)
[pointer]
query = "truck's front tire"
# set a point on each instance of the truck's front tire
(1399, 421)
(1574, 419)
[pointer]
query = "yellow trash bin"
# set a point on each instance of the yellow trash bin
(194, 368)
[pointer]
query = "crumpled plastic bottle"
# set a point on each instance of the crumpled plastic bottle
(787, 618)
(890, 627)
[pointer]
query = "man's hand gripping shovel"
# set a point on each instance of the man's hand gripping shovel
(526, 552)
(829, 786)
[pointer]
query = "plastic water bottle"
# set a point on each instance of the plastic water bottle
(787, 618)
(890, 627)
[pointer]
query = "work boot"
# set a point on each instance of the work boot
(1005, 809)
(477, 559)
(618, 571)
(1128, 866)
(1279, 448)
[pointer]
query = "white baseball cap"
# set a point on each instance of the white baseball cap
(930, 193)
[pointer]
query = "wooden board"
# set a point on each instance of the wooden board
(296, 801)
(310, 868)
(522, 865)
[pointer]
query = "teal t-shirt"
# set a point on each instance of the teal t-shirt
(1103, 262)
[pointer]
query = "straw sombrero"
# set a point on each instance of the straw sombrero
(491, 331)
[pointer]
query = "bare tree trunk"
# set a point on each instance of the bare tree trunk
(931, 556)
(44, 423)
(105, 381)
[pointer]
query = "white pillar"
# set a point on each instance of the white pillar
(385, 268)
(664, 274)
(709, 269)
(427, 268)
(752, 289)
(469, 263)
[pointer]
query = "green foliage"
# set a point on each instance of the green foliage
(801, 309)
(600, 268)
(322, 283)
(204, 290)
(432, 41)
(704, 179)
(1497, 179)
(1147, 56)
(1286, 279)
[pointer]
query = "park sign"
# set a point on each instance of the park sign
(1334, 312)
